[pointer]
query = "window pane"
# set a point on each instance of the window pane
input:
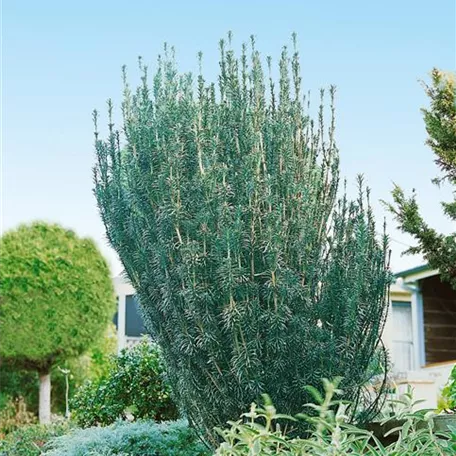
(134, 326)
(402, 337)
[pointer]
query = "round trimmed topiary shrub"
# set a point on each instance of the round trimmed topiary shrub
(56, 300)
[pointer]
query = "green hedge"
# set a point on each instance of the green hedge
(134, 385)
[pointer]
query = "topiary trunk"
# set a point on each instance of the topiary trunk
(222, 205)
(44, 408)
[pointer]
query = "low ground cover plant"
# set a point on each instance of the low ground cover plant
(133, 439)
(261, 431)
(31, 440)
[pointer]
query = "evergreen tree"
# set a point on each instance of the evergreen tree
(222, 205)
(440, 120)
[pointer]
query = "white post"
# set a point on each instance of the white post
(121, 312)
(421, 335)
(417, 328)
(44, 409)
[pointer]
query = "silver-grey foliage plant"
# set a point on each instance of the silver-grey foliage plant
(221, 201)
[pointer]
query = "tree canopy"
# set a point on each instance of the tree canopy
(440, 120)
(56, 295)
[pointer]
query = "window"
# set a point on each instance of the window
(134, 326)
(402, 350)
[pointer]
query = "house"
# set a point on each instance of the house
(128, 320)
(420, 332)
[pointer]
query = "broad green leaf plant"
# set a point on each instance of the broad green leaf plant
(261, 431)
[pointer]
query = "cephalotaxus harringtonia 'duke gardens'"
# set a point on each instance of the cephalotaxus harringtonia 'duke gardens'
(254, 273)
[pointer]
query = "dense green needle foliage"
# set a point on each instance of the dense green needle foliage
(222, 205)
(440, 120)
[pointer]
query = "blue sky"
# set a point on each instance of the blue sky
(62, 59)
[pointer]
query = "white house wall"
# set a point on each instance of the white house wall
(122, 289)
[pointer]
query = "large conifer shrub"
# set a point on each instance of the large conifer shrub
(222, 204)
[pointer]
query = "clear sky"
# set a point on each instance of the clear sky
(61, 59)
